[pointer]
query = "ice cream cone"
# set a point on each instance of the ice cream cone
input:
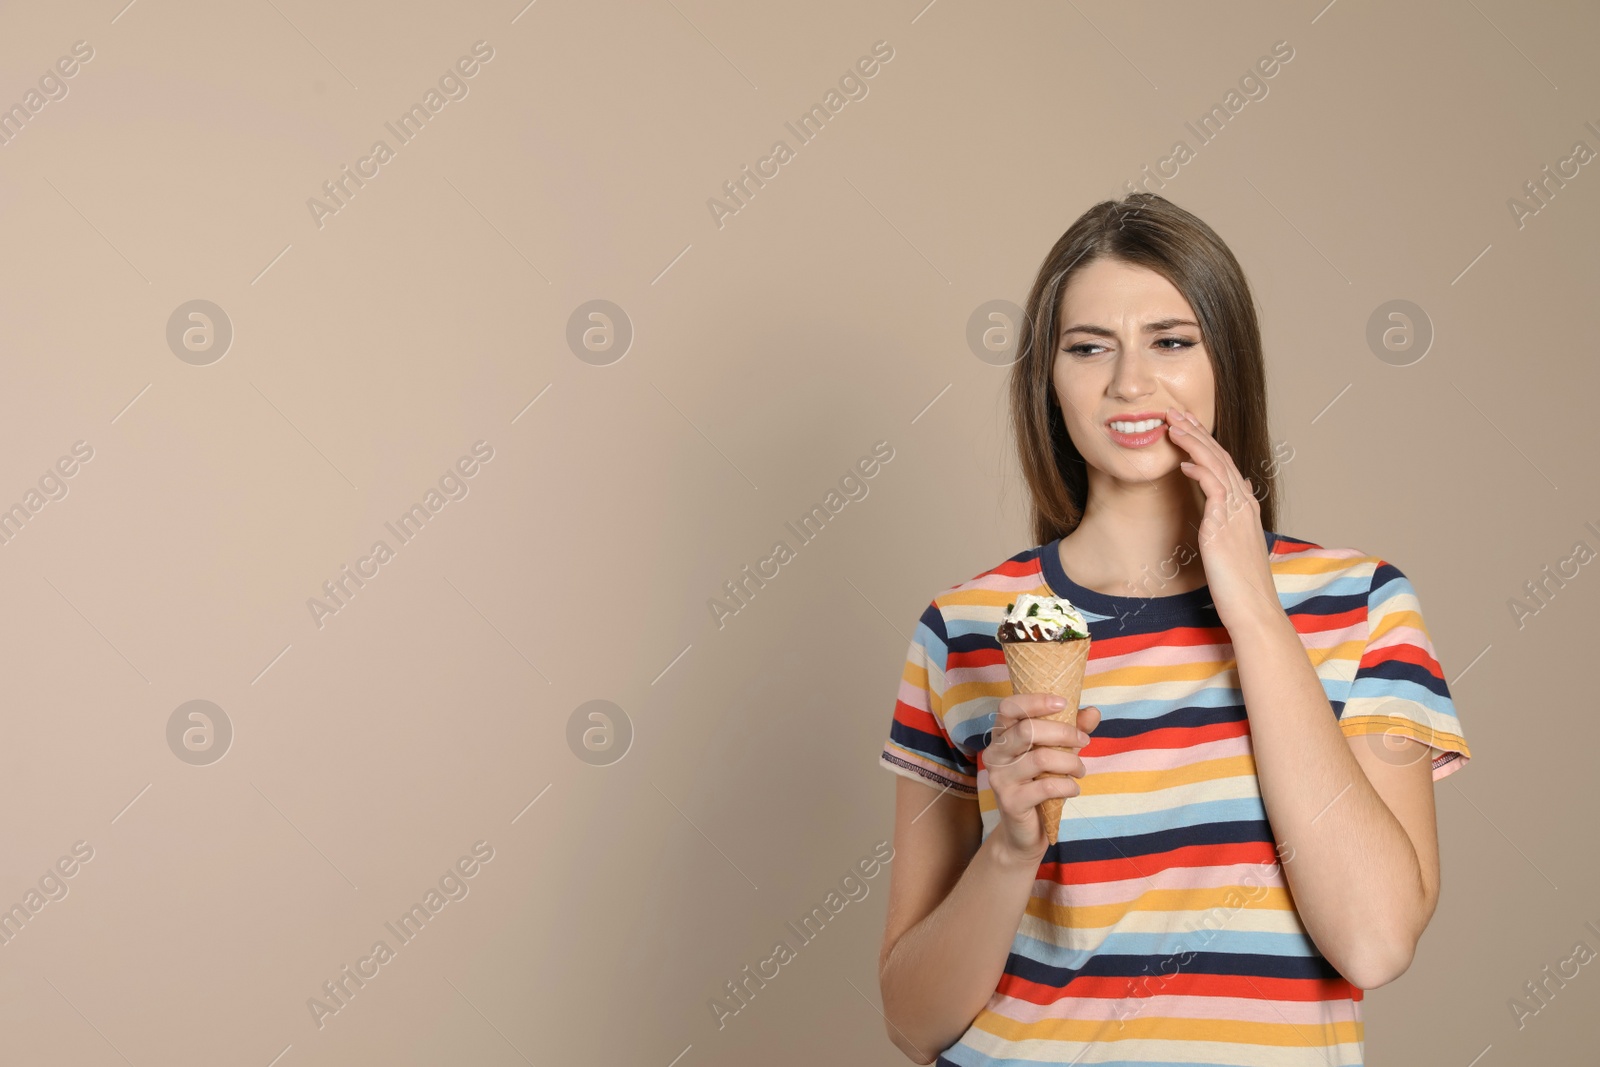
(1050, 667)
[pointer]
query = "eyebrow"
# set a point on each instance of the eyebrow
(1149, 327)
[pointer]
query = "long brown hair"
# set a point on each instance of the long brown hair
(1148, 231)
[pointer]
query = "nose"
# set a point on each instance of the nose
(1131, 379)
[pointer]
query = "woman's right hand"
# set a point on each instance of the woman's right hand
(1022, 747)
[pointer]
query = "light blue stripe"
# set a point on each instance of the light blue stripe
(1160, 945)
(1368, 687)
(1215, 696)
(1184, 816)
(1341, 585)
(937, 652)
(967, 627)
(1069, 1050)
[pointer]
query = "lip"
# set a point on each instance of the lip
(1137, 440)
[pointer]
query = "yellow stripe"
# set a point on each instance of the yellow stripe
(986, 598)
(1166, 1028)
(1198, 671)
(1305, 563)
(962, 692)
(1349, 651)
(1107, 782)
(1397, 617)
(1377, 724)
(1099, 916)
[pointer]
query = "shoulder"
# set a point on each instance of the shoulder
(1311, 563)
(999, 584)
(970, 611)
(1338, 579)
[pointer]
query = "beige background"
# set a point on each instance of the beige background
(770, 354)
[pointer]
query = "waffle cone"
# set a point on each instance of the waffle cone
(1054, 667)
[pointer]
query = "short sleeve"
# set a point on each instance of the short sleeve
(1399, 687)
(919, 746)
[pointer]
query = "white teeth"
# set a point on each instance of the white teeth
(1136, 427)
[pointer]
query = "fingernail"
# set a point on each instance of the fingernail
(1057, 702)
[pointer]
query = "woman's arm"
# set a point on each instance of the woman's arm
(954, 908)
(1364, 866)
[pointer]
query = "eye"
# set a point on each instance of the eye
(1178, 342)
(1081, 349)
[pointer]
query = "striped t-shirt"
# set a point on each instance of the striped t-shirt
(1160, 929)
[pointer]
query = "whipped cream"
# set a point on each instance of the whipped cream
(1042, 618)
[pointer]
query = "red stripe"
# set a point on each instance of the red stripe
(1338, 620)
(1123, 868)
(979, 657)
(1181, 984)
(1176, 635)
(917, 719)
(1167, 737)
(1402, 653)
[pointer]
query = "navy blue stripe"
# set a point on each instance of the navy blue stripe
(1159, 842)
(1401, 671)
(933, 746)
(1250, 964)
(1180, 718)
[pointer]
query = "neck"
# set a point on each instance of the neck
(1138, 538)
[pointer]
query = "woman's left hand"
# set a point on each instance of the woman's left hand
(1233, 545)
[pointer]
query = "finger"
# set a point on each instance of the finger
(1186, 432)
(1196, 431)
(1088, 719)
(1047, 760)
(1036, 762)
(1012, 736)
(1010, 755)
(1031, 794)
(1208, 445)
(1011, 749)
(1053, 734)
(1005, 749)
(1020, 800)
(1212, 485)
(1204, 449)
(1019, 706)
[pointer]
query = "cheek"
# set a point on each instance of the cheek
(1075, 394)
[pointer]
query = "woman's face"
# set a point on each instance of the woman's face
(1130, 348)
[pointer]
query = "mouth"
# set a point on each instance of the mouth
(1137, 430)
(1140, 423)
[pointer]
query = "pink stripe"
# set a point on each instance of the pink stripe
(1234, 1009)
(1163, 656)
(913, 695)
(1092, 894)
(1402, 635)
(990, 673)
(1327, 553)
(1001, 583)
(1331, 638)
(1168, 759)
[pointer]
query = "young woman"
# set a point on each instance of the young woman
(1248, 839)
